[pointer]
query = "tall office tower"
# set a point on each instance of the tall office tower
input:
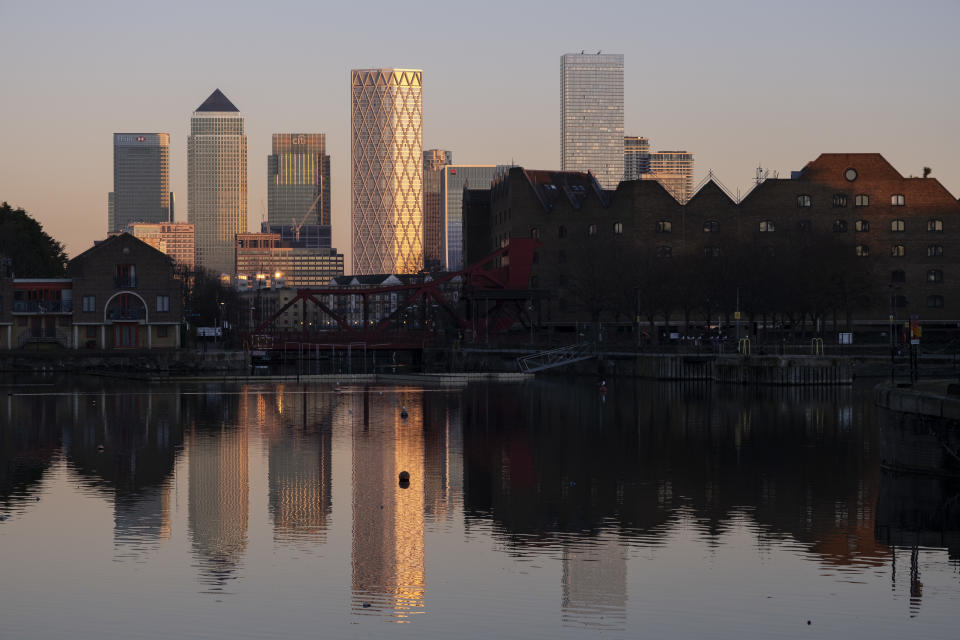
(674, 170)
(217, 181)
(434, 160)
(591, 115)
(636, 157)
(297, 172)
(173, 238)
(141, 180)
(386, 147)
(455, 178)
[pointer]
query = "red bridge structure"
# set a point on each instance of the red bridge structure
(494, 294)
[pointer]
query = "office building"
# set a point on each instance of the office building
(298, 180)
(264, 257)
(173, 238)
(386, 153)
(454, 179)
(434, 160)
(591, 115)
(636, 157)
(141, 180)
(674, 170)
(217, 181)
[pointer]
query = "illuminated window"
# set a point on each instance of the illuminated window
(863, 250)
(861, 225)
(935, 225)
(840, 200)
(898, 200)
(897, 225)
(767, 226)
(618, 228)
(862, 200)
(897, 251)
(592, 230)
(664, 226)
(804, 201)
(711, 226)
(534, 232)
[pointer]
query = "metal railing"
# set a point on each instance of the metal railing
(125, 282)
(41, 306)
(556, 357)
(61, 338)
(126, 314)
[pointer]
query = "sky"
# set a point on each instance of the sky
(738, 84)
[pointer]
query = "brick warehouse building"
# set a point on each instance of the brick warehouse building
(897, 233)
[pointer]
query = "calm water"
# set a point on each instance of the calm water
(538, 510)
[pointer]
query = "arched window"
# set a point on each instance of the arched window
(711, 252)
(934, 250)
(591, 230)
(618, 228)
(935, 225)
(935, 302)
(767, 226)
(898, 200)
(839, 226)
(804, 201)
(861, 200)
(664, 226)
(534, 232)
(861, 225)
(897, 251)
(840, 200)
(898, 225)
(711, 226)
(934, 275)
(863, 250)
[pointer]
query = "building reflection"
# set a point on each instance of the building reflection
(30, 439)
(219, 485)
(389, 572)
(595, 583)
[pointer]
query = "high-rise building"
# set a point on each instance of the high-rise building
(591, 115)
(455, 179)
(636, 157)
(298, 171)
(673, 170)
(217, 181)
(173, 238)
(266, 254)
(386, 147)
(434, 160)
(141, 180)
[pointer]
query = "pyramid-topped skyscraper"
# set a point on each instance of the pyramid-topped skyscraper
(217, 181)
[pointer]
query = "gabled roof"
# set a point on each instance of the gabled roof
(122, 238)
(217, 102)
(711, 190)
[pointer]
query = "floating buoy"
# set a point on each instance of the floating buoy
(100, 447)
(403, 412)
(38, 498)
(404, 476)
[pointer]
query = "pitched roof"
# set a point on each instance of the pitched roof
(217, 102)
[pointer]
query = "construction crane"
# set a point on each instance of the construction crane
(298, 225)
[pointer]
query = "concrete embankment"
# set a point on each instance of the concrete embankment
(920, 427)
(141, 361)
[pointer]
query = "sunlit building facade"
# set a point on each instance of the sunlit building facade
(434, 160)
(217, 181)
(636, 157)
(591, 115)
(298, 171)
(265, 257)
(173, 238)
(386, 152)
(673, 170)
(141, 180)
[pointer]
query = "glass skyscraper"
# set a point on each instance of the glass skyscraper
(386, 154)
(141, 180)
(455, 178)
(297, 172)
(434, 160)
(217, 181)
(636, 157)
(591, 115)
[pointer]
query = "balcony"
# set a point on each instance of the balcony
(125, 282)
(126, 314)
(40, 306)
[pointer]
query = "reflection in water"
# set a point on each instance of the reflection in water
(595, 583)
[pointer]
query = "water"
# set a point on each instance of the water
(536, 510)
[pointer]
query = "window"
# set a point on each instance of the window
(862, 200)
(934, 275)
(592, 230)
(163, 302)
(839, 226)
(664, 226)
(162, 331)
(935, 225)
(804, 201)
(863, 250)
(534, 232)
(840, 200)
(935, 302)
(898, 276)
(88, 304)
(934, 250)
(664, 252)
(897, 251)
(711, 226)
(711, 252)
(125, 276)
(91, 332)
(803, 225)
(897, 225)
(898, 200)
(767, 226)
(618, 228)
(561, 231)
(861, 225)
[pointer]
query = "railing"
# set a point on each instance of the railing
(556, 357)
(39, 306)
(125, 282)
(126, 314)
(49, 337)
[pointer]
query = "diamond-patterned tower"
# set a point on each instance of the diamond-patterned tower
(386, 115)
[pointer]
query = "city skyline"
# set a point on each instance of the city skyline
(768, 99)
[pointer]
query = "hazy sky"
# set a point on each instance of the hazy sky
(736, 83)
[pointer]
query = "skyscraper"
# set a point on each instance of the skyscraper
(636, 157)
(674, 170)
(434, 160)
(591, 115)
(454, 179)
(297, 172)
(141, 180)
(386, 150)
(217, 181)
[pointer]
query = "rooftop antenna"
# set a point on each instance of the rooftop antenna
(761, 174)
(263, 212)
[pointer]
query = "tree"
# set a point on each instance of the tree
(32, 252)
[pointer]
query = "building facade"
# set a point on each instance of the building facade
(265, 258)
(386, 152)
(673, 170)
(591, 115)
(298, 180)
(434, 160)
(176, 239)
(141, 180)
(454, 179)
(217, 181)
(636, 157)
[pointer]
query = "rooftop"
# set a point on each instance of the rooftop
(217, 102)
